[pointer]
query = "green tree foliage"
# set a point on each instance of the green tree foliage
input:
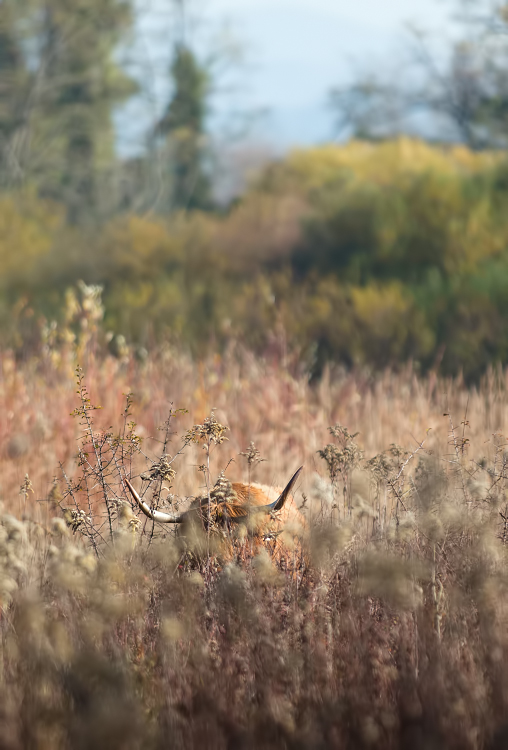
(368, 255)
(15, 81)
(363, 254)
(182, 128)
(66, 84)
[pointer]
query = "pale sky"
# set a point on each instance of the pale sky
(294, 52)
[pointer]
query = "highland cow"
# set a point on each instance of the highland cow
(239, 507)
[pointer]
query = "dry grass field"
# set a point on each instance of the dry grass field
(384, 627)
(267, 401)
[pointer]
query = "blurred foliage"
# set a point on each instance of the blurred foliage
(60, 84)
(183, 129)
(452, 87)
(366, 254)
(65, 68)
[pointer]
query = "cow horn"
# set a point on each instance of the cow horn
(155, 515)
(279, 503)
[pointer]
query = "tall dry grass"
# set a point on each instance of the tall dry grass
(391, 631)
(266, 400)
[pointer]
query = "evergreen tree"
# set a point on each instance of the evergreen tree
(183, 130)
(14, 89)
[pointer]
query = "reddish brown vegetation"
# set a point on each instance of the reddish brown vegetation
(390, 634)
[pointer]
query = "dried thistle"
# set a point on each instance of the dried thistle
(332, 454)
(75, 518)
(211, 431)
(161, 469)
(134, 524)
(342, 433)
(398, 453)
(26, 487)
(223, 490)
(380, 466)
(54, 495)
(252, 455)
(340, 459)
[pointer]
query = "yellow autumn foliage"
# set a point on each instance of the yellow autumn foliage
(362, 253)
(27, 230)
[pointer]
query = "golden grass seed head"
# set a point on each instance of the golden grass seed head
(87, 562)
(125, 513)
(60, 642)
(3, 536)
(266, 571)
(53, 552)
(7, 588)
(321, 490)
(326, 542)
(240, 532)
(391, 578)
(172, 629)
(16, 529)
(59, 527)
(291, 535)
(361, 507)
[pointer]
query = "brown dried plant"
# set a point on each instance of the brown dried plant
(341, 459)
(391, 635)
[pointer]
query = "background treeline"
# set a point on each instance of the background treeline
(369, 254)
(366, 254)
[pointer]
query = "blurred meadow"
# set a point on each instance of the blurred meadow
(199, 307)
